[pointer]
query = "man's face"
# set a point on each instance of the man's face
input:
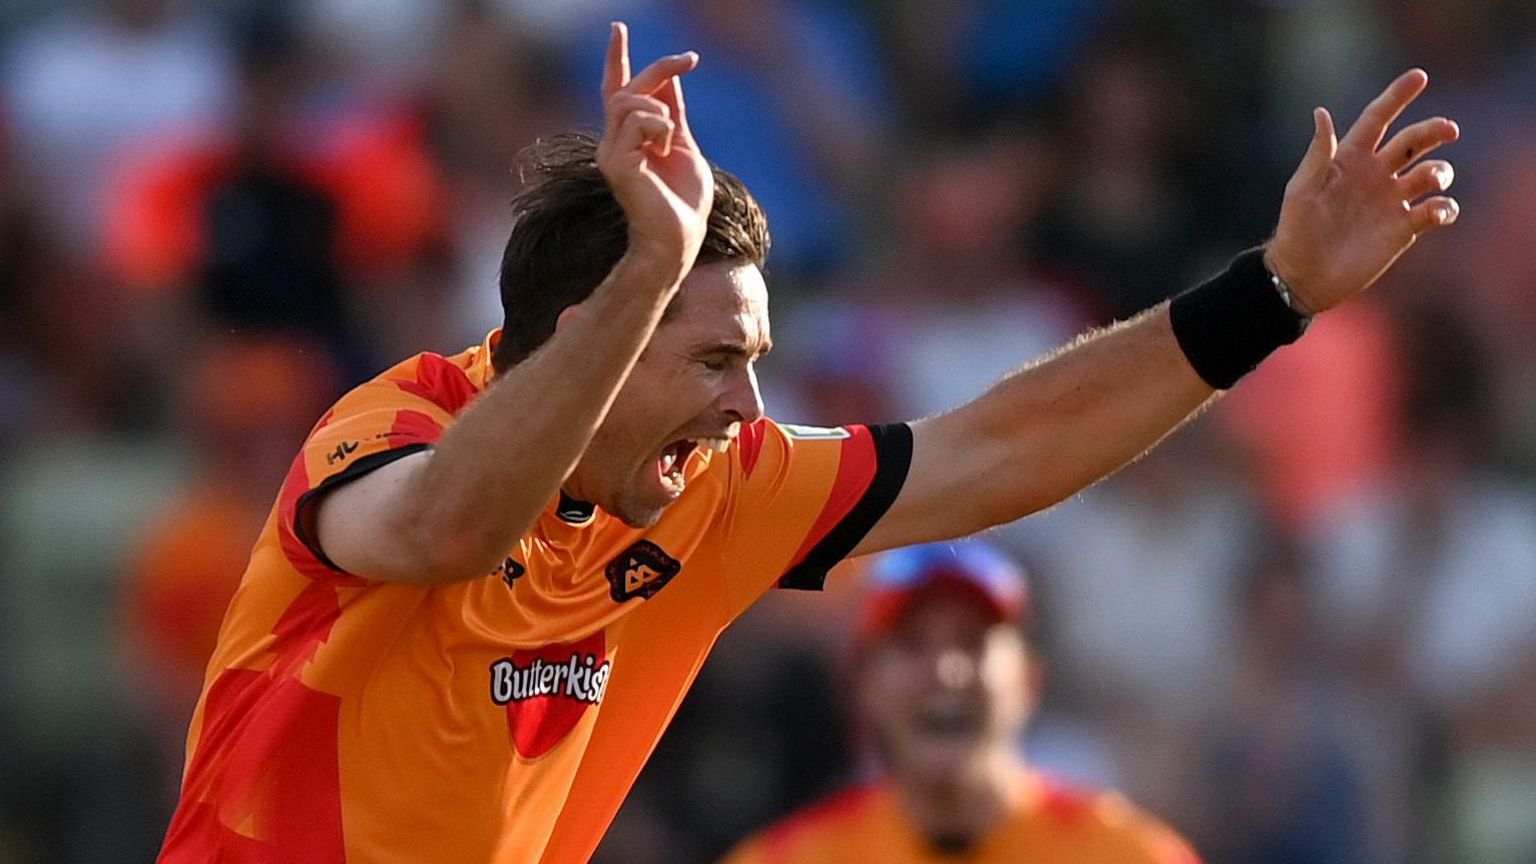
(946, 688)
(692, 388)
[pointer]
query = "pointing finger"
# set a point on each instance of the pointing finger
(1368, 131)
(616, 63)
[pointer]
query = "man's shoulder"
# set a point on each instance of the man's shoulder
(823, 824)
(441, 385)
(1106, 817)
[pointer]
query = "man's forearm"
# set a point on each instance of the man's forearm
(501, 462)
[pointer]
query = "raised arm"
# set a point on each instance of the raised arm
(452, 512)
(1043, 433)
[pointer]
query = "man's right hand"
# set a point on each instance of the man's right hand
(649, 157)
(1355, 204)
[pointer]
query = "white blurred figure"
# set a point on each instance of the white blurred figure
(89, 84)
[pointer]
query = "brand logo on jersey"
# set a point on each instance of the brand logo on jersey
(814, 433)
(640, 571)
(546, 690)
(509, 571)
(342, 451)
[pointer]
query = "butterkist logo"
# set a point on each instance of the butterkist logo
(546, 690)
(640, 571)
(580, 678)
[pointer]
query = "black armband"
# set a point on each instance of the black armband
(1229, 323)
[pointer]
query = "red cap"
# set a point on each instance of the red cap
(900, 576)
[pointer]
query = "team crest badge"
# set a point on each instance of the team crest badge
(640, 571)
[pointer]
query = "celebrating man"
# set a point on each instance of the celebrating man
(489, 578)
(945, 684)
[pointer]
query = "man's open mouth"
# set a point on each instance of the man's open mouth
(674, 458)
(949, 722)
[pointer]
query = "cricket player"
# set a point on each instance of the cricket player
(945, 684)
(488, 578)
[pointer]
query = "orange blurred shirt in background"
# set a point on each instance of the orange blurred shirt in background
(1052, 824)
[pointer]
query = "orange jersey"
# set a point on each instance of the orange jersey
(1053, 825)
(500, 719)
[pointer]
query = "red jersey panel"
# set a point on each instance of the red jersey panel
(503, 718)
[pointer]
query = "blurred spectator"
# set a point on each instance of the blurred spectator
(1321, 419)
(1493, 772)
(278, 221)
(98, 77)
(1135, 606)
(1123, 221)
(249, 403)
(1427, 578)
(493, 90)
(1282, 784)
(945, 684)
(960, 60)
(955, 300)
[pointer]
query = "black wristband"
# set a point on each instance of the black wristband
(1229, 323)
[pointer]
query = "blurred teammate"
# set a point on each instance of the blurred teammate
(489, 578)
(945, 685)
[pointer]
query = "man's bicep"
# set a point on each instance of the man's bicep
(940, 499)
(353, 525)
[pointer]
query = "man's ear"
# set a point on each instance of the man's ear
(565, 317)
(1034, 677)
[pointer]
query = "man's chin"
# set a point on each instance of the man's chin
(636, 515)
(639, 520)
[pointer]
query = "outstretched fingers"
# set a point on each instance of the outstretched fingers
(1433, 175)
(1432, 213)
(1413, 142)
(1371, 127)
(616, 77)
(646, 109)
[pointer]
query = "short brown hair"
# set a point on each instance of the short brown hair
(568, 232)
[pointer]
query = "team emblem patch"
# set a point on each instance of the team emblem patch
(547, 690)
(509, 571)
(640, 571)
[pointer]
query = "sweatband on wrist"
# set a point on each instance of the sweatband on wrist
(1232, 321)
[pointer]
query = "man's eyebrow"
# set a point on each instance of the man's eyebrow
(730, 346)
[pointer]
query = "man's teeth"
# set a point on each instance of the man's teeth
(719, 445)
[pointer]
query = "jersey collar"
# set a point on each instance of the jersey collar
(480, 370)
(573, 512)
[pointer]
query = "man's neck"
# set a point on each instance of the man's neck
(956, 813)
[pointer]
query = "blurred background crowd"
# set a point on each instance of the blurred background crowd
(1304, 630)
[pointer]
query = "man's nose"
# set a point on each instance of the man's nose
(742, 399)
(954, 669)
